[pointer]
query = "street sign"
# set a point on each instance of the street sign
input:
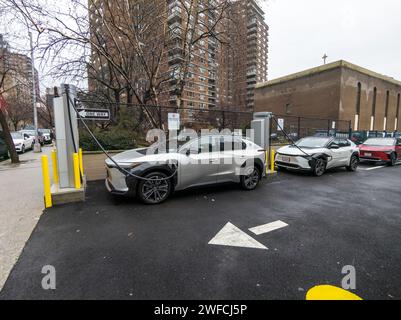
(174, 121)
(94, 114)
(280, 126)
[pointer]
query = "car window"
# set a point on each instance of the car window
(398, 142)
(232, 144)
(342, 143)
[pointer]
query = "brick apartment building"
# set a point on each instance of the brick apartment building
(220, 75)
(339, 90)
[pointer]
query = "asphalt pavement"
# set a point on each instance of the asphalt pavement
(116, 248)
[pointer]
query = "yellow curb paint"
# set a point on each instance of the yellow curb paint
(330, 293)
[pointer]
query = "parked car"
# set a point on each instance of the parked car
(203, 161)
(22, 142)
(32, 134)
(3, 147)
(47, 136)
(381, 150)
(316, 154)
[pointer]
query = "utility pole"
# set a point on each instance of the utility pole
(37, 147)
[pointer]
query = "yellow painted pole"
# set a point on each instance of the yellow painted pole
(267, 162)
(55, 167)
(81, 162)
(77, 174)
(272, 160)
(46, 182)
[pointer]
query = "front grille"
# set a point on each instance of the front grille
(289, 165)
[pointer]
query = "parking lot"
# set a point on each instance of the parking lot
(115, 248)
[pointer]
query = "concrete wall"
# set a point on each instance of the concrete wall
(94, 165)
(349, 94)
(315, 95)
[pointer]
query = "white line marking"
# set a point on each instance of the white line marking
(232, 236)
(268, 227)
(374, 168)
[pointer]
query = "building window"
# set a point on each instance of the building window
(358, 106)
(372, 122)
(288, 108)
(386, 110)
(397, 118)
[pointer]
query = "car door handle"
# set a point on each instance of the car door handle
(214, 161)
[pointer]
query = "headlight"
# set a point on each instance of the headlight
(129, 165)
(18, 145)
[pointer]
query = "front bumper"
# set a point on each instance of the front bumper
(18, 148)
(292, 162)
(116, 182)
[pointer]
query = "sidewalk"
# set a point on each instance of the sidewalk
(21, 205)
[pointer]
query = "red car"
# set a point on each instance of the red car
(381, 150)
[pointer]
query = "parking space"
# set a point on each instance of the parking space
(222, 243)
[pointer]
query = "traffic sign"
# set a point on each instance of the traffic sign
(94, 114)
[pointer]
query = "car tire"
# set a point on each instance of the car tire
(393, 160)
(354, 163)
(154, 192)
(250, 182)
(23, 149)
(319, 168)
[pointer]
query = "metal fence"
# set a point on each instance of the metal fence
(130, 124)
(300, 127)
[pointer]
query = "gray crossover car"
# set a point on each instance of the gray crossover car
(152, 174)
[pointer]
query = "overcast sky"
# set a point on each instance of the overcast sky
(364, 32)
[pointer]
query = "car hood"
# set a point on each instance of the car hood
(294, 151)
(17, 141)
(375, 148)
(139, 155)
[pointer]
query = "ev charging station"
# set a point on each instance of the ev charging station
(67, 136)
(261, 128)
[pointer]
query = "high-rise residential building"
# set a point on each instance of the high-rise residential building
(17, 69)
(221, 74)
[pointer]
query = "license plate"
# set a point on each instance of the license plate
(368, 154)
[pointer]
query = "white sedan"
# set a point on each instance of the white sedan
(316, 154)
(22, 142)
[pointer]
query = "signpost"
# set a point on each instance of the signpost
(280, 126)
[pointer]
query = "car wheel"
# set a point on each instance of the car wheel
(154, 189)
(393, 159)
(251, 180)
(354, 163)
(320, 167)
(23, 149)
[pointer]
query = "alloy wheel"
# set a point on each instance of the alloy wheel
(252, 180)
(155, 189)
(320, 167)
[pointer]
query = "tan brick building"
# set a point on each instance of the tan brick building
(339, 90)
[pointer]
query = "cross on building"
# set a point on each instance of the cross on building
(324, 58)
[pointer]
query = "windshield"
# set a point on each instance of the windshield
(313, 142)
(16, 135)
(380, 142)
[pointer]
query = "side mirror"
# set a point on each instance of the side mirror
(190, 151)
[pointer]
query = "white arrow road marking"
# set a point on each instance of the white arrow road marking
(268, 227)
(232, 236)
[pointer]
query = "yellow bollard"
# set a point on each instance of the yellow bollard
(46, 182)
(77, 174)
(55, 167)
(272, 160)
(81, 162)
(267, 162)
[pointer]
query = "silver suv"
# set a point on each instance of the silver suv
(154, 173)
